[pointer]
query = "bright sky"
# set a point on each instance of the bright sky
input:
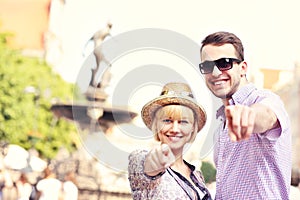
(269, 29)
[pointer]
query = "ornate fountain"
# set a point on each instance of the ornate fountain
(96, 109)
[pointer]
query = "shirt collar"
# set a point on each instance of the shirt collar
(237, 98)
(192, 167)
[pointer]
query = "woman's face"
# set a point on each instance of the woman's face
(175, 125)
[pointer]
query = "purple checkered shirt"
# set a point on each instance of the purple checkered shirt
(258, 168)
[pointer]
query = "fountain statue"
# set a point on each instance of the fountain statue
(96, 110)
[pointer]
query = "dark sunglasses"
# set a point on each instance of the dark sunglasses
(222, 64)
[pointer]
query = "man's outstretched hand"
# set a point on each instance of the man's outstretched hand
(240, 121)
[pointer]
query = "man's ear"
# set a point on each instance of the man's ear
(244, 68)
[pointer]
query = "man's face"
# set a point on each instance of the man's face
(223, 84)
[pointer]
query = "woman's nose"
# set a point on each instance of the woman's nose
(175, 126)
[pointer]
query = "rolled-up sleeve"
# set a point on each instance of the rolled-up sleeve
(274, 102)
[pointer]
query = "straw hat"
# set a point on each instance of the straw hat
(174, 94)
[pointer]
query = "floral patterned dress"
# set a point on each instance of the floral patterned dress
(169, 185)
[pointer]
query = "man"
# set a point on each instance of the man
(253, 150)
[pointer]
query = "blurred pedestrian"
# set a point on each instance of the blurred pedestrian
(24, 188)
(49, 187)
(2, 183)
(8, 189)
(70, 189)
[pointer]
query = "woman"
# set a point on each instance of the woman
(175, 118)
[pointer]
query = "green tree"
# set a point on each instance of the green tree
(208, 171)
(27, 87)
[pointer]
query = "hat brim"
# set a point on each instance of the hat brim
(151, 107)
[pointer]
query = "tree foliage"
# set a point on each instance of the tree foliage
(27, 87)
(208, 171)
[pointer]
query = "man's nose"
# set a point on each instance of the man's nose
(216, 71)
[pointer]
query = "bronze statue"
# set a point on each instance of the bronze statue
(98, 38)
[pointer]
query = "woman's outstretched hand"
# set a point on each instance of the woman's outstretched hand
(158, 159)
